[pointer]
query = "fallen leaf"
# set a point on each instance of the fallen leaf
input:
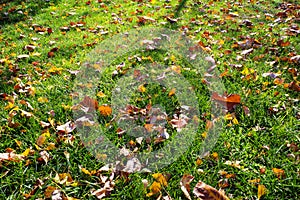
(11, 156)
(172, 92)
(44, 156)
(41, 140)
(105, 110)
(160, 178)
(229, 101)
(294, 86)
(22, 56)
(185, 185)
(278, 172)
(154, 189)
(262, 190)
(89, 104)
(48, 192)
(67, 127)
(206, 192)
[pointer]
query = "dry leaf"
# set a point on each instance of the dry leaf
(67, 127)
(262, 190)
(278, 172)
(228, 101)
(185, 185)
(160, 178)
(206, 192)
(11, 156)
(154, 189)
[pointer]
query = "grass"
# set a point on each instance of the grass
(258, 141)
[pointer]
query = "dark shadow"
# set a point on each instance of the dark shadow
(13, 11)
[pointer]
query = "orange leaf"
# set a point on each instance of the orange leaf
(172, 92)
(278, 172)
(105, 110)
(229, 101)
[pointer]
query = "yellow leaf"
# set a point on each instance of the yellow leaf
(66, 107)
(215, 155)
(43, 100)
(228, 117)
(221, 42)
(253, 181)
(154, 189)
(172, 92)
(26, 152)
(55, 70)
(51, 121)
(160, 178)
(85, 171)
(199, 161)
(245, 71)
(204, 134)
(46, 133)
(142, 88)
(19, 143)
(235, 121)
(51, 146)
(176, 69)
(173, 58)
(101, 94)
(9, 106)
(262, 190)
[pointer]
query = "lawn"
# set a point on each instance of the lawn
(198, 91)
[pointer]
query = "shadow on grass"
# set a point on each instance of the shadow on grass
(13, 11)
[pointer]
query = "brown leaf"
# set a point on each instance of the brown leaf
(11, 156)
(41, 140)
(50, 54)
(67, 127)
(294, 86)
(282, 43)
(44, 157)
(206, 192)
(89, 104)
(185, 185)
(48, 192)
(228, 101)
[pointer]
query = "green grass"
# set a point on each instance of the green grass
(258, 141)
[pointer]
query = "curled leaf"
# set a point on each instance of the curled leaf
(185, 185)
(206, 192)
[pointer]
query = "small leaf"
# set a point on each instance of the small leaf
(154, 189)
(160, 178)
(262, 190)
(105, 110)
(185, 185)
